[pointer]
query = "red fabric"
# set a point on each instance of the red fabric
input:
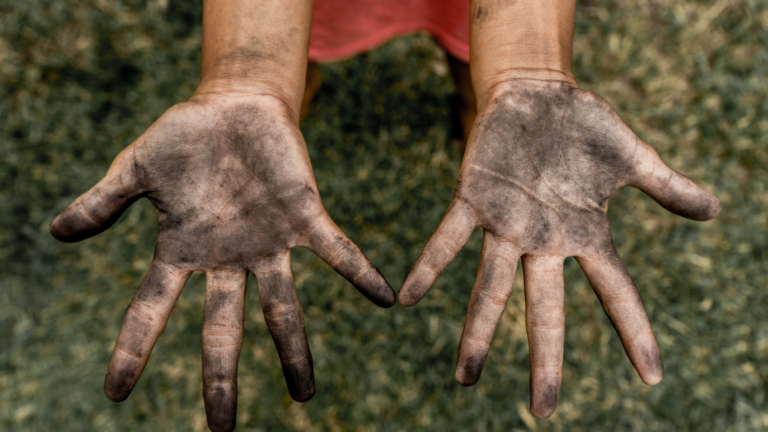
(343, 28)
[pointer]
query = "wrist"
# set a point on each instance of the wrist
(522, 40)
(254, 92)
(255, 48)
(490, 85)
(501, 91)
(227, 86)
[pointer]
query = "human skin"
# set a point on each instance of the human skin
(542, 161)
(230, 176)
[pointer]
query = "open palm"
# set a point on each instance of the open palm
(234, 191)
(543, 160)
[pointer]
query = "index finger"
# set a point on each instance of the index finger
(144, 321)
(622, 303)
(285, 320)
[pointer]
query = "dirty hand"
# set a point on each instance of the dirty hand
(234, 191)
(543, 159)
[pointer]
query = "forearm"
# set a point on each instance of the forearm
(520, 39)
(255, 47)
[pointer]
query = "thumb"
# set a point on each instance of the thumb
(674, 191)
(97, 209)
(330, 243)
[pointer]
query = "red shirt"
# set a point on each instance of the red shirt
(343, 28)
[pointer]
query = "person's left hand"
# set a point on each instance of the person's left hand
(541, 163)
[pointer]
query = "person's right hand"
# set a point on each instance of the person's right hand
(234, 191)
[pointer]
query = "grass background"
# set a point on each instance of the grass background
(79, 80)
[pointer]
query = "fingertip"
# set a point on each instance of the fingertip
(117, 390)
(115, 397)
(68, 227)
(300, 378)
(226, 427)
(713, 209)
(647, 360)
(387, 297)
(97, 209)
(471, 361)
(302, 395)
(123, 373)
(374, 286)
(653, 374)
(703, 208)
(76, 223)
(384, 300)
(56, 229)
(716, 207)
(406, 298)
(544, 397)
(652, 378)
(466, 378)
(221, 407)
(543, 412)
(389, 300)
(415, 285)
(681, 195)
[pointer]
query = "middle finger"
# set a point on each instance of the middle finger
(222, 340)
(545, 323)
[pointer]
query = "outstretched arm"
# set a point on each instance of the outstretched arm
(230, 176)
(542, 161)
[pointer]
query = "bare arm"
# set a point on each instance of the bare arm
(542, 161)
(520, 39)
(255, 48)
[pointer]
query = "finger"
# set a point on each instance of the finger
(332, 246)
(624, 307)
(222, 340)
(99, 208)
(672, 190)
(143, 323)
(493, 286)
(545, 323)
(285, 320)
(441, 249)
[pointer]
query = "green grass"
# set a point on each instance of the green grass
(81, 80)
